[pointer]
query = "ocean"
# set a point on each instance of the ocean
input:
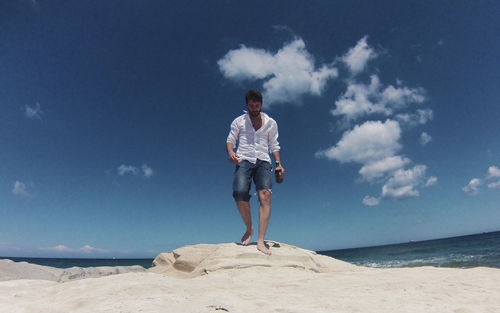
(70, 262)
(458, 252)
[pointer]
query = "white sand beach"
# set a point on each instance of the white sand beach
(234, 278)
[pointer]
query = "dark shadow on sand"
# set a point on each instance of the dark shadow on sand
(268, 244)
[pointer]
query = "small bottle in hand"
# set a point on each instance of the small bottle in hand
(278, 174)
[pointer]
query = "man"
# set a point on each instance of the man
(257, 134)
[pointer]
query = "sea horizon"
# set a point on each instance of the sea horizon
(412, 241)
(459, 251)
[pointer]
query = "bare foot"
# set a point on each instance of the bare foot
(245, 240)
(262, 247)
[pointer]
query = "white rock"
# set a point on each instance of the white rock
(201, 259)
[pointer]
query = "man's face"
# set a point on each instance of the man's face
(254, 107)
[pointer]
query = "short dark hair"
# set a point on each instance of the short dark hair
(253, 95)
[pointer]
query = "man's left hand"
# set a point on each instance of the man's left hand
(281, 169)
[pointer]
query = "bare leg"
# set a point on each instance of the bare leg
(264, 216)
(244, 208)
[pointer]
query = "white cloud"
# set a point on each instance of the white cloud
(358, 56)
(127, 169)
(288, 74)
(421, 117)
(58, 248)
(425, 138)
(247, 63)
(358, 100)
(371, 201)
(147, 171)
(376, 144)
(431, 181)
(33, 112)
(85, 249)
(403, 183)
(494, 185)
(133, 170)
(473, 187)
(493, 171)
(362, 99)
(382, 167)
(368, 143)
(20, 189)
(90, 249)
(401, 192)
(399, 97)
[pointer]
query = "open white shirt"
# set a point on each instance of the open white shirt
(253, 144)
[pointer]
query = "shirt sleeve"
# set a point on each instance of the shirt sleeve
(273, 138)
(234, 132)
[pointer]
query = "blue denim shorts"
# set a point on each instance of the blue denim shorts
(261, 173)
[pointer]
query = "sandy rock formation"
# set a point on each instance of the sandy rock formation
(201, 259)
(10, 270)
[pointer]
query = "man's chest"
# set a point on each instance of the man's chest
(249, 135)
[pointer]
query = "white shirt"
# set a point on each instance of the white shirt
(253, 144)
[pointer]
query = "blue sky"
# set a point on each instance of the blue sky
(114, 116)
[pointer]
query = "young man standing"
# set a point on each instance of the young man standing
(257, 135)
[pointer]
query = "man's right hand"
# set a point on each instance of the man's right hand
(234, 158)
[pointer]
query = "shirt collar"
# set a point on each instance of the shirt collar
(266, 117)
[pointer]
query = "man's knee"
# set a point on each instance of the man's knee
(265, 196)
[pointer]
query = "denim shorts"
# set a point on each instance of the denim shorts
(261, 173)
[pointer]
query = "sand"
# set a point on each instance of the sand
(233, 278)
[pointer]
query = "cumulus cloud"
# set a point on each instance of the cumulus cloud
(20, 189)
(371, 201)
(425, 138)
(58, 248)
(382, 167)
(145, 170)
(431, 181)
(90, 249)
(87, 249)
(358, 56)
(127, 169)
(404, 182)
(287, 74)
(472, 187)
(365, 99)
(33, 112)
(367, 143)
(374, 144)
(494, 185)
(493, 171)
(420, 117)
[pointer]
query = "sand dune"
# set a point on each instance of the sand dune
(233, 278)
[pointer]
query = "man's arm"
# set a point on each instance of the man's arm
(232, 138)
(274, 147)
(279, 166)
(233, 157)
